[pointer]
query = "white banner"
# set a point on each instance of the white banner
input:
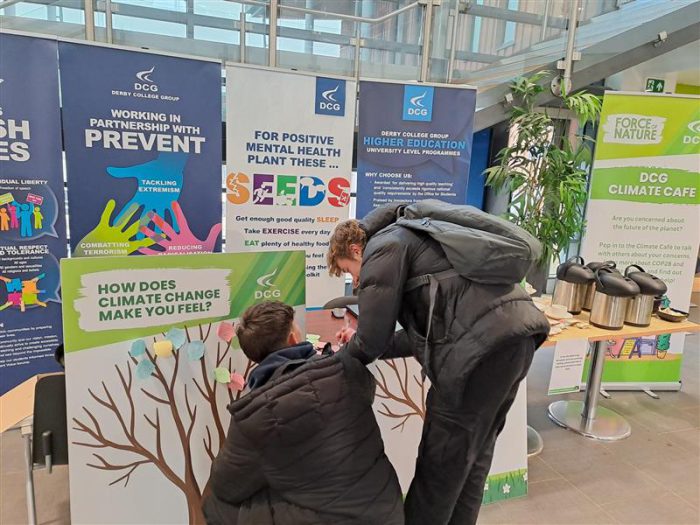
(289, 161)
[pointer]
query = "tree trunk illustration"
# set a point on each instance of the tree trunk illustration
(409, 404)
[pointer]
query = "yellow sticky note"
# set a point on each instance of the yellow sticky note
(163, 348)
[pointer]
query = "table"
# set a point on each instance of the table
(586, 417)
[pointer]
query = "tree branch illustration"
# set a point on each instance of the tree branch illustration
(409, 406)
(128, 441)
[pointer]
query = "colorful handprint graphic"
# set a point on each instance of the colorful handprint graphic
(119, 236)
(181, 242)
(159, 184)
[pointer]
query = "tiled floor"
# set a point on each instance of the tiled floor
(651, 477)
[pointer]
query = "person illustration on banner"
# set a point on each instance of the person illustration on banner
(474, 336)
(38, 218)
(4, 220)
(30, 292)
(24, 213)
(12, 209)
(263, 193)
(14, 292)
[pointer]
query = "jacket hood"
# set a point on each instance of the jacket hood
(381, 217)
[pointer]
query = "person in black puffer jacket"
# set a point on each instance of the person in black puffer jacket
(474, 341)
(303, 447)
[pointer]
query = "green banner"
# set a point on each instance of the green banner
(648, 126)
(112, 299)
(643, 184)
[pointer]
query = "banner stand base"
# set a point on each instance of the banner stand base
(674, 386)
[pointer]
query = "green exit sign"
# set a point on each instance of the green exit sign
(655, 85)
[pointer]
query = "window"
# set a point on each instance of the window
(509, 29)
(476, 31)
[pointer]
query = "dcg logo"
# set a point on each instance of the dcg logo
(268, 294)
(418, 103)
(144, 81)
(330, 96)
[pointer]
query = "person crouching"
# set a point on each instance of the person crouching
(303, 446)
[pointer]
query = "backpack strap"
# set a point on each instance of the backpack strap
(433, 280)
(422, 280)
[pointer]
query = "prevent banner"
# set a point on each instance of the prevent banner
(289, 161)
(143, 151)
(32, 212)
(151, 363)
(644, 209)
(414, 142)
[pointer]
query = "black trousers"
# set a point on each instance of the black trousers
(456, 449)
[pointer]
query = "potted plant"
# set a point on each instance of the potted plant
(545, 172)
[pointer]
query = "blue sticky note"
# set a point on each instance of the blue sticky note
(176, 336)
(138, 348)
(145, 369)
(195, 350)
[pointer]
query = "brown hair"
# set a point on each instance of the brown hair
(264, 328)
(346, 233)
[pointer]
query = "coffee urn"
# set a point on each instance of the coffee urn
(572, 283)
(641, 307)
(613, 293)
(590, 291)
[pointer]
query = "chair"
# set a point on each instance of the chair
(49, 442)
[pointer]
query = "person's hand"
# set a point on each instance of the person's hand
(119, 233)
(174, 242)
(344, 335)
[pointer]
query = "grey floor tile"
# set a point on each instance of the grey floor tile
(688, 440)
(555, 502)
(11, 452)
(608, 481)
(492, 514)
(538, 470)
(666, 508)
(681, 476)
(644, 447)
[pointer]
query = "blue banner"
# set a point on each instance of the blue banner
(32, 210)
(414, 142)
(143, 152)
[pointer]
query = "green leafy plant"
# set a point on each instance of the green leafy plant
(545, 171)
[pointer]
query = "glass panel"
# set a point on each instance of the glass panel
(155, 27)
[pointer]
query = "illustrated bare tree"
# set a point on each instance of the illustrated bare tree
(164, 396)
(400, 404)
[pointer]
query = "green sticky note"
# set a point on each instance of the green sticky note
(222, 375)
(313, 338)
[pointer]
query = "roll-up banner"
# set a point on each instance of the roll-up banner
(414, 142)
(289, 160)
(644, 209)
(151, 364)
(32, 212)
(143, 151)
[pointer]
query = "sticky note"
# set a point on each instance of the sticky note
(222, 375)
(177, 336)
(225, 331)
(195, 350)
(313, 338)
(236, 382)
(138, 348)
(163, 348)
(145, 369)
